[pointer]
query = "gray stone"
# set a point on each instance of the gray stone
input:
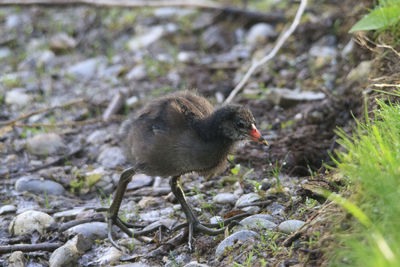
(30, 220)
(247, 199)
(150, 36)
(45, 144)
(213, 37)
(87, 68)
(276, 209)
(187, 57)
(290, 226)
(16, 259)
(17, 97)
(260, 33)
(155, 215)
(98, 137)
(230, 241)
(138, 73)
(139, 181)
(62, 41)
(92, 230)
(172, 12)
(136, 264)
(323, 51)
(225, 198)
(69, 214)
(361, 72)
(111, 157)
(286, 97)
(38, 186)
(258, 222)
(5, 52)
(195, 264)
(69, 254)
(7, 209)
(110, 257)
(216, 219)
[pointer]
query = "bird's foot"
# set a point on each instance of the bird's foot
(124, 226)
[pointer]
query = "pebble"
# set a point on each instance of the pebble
(62, 42)
(276, 209)
(286, 97)
(16, 259)
(195, 264)
(225, 198)
(258, 222)
(98, 137)
(216, 219)
(92, 230)
(69, 253)
(45, 144)
(230, 241)
(290, 226)
(87, 68)
(186, 57)
(111, 157)
(7, 209)
(17, 97)
(155, 215)
(213, 37)
(361, 72)
(260, 33)
(5, 52)
(247, 199)
(110, 257)
(139, 181)
(138, 73)
(35, 185)
(30, 220)
(172, 12)
(144, 40)
(69, 214)
(135, 264)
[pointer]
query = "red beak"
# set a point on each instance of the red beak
(256, 136)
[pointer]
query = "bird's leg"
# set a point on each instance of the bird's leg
(124, 180)
(194, 224)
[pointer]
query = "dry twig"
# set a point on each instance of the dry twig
(30, 247)
(281, 40)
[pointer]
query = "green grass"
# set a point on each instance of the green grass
(385, 16)
(372, 167)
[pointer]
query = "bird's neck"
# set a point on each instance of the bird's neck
(210, 128)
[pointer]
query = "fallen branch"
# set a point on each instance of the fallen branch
(30, 247)
(281, 40)
(43, 110)
(253, 15)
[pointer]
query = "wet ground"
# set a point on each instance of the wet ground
(95, 66)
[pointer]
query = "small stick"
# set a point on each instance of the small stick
(281, 40)
(30, 247)
(30, 114)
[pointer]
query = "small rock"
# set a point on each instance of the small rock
(7, 209)
(16, 259)
(187, 57)
(98, 137)
(87, 68)
(178, 260)
(29, 221)
(130, 102)
(172, 12)
(147, 202)
(361, 72)
(110, 257)
(243, 236)
(195, 264)
(216, 219)
(45, 144)
(152, 35)
(139, 181)
(111, 157)
(135, 264)
(5, 52)
(225, 198)
(38, 186)
(286, 97)
(348, 48)
(92, 230)
(68, 214)
(155, 215)
(323, 51)
(276, 209)
(215, 37)
(260, 33)
(290, 226)
(62, 42)
(258, 222)
(69, 254)
(17, 97)
(247, 199)
(138, 73)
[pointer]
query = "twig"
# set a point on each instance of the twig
(386, 85)
(281, 40)
(30, 114)
(30, 247)
(253, 15)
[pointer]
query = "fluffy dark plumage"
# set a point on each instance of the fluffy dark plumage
(182, 133)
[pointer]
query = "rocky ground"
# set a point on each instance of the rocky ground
(85, 69)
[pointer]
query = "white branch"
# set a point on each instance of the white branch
(281, 40)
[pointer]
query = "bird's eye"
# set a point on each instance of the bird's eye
(240, 124)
